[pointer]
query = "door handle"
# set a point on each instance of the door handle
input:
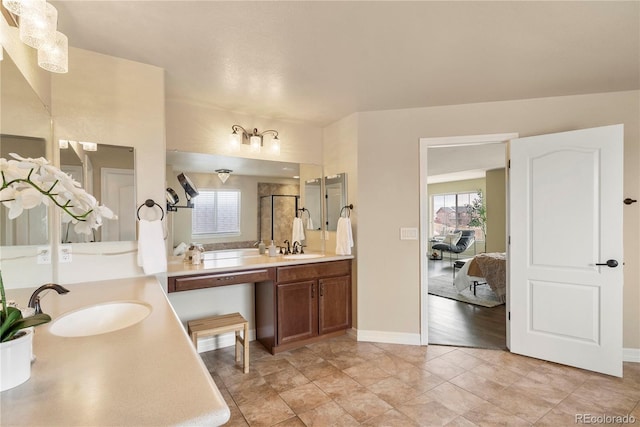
(610, 263)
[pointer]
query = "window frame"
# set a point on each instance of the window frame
(213, 234)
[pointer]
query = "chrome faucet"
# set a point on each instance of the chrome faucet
(288, 250)
(34, 301)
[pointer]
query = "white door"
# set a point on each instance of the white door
(118, 194)
(565, 221)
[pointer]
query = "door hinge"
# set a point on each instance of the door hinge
(509, 240)
(509, 164)
(509, 315)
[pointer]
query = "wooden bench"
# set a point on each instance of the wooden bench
(216, 325)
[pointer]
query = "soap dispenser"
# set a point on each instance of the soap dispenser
(262, 249)
(272, 249)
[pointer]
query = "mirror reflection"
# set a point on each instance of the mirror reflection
(313, 204)
(335, 187)
(249, 201)
(25, 129)
(108, 173)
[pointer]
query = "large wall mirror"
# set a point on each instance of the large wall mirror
(335, 198)
(25, 129)
(108, 173)
(267, 195)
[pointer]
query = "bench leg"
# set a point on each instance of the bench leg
(238, 342)
(245, 342)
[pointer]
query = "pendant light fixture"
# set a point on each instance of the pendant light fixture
(223, 174)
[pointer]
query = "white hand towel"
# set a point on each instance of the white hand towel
(344, 237)
(297, 234)
(152, 256)
(310, 224)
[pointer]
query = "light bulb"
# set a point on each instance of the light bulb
(38, 23)
(234, 140)
(275, 145)
(255, 142)
(53, 55)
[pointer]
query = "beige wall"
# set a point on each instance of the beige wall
(340, 153)
(112, 101)
(495, 199)
(388, 153)
(203, 129)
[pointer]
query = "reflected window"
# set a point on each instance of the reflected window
(216, 212)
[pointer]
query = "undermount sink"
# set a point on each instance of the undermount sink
(303, 256)
(100, 319)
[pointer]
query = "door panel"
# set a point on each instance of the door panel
(565, 217)
(297, 310)
(335, 304)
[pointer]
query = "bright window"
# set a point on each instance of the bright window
(216, 212)
(454, 212)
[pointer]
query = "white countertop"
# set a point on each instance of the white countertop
(146, 374)
(176, 266)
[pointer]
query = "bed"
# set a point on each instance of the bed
(490, 268)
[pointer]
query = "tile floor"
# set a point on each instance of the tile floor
(342, 382)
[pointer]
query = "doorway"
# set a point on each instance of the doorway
(448, 166)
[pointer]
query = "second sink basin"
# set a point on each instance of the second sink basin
(100, 319)
(302, 256)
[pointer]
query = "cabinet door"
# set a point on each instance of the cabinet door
(297, 311)
(334, 304)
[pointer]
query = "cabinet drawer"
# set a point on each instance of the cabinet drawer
(313, 271)
(187, 283)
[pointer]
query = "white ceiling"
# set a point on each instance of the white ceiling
(317, 61)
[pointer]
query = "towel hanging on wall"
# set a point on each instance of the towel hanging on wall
(344, 236)
(297, 234)
(152, 256)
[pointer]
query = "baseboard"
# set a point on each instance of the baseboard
(631, 355)
(221, 341)
(387, 337)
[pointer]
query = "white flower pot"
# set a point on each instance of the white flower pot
(15, 360)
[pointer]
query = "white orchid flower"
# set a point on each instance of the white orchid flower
(27, 182)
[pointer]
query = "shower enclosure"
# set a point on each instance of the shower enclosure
(276, 217)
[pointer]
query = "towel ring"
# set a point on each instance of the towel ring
(302, 210)
(149, 203)
(348, 208)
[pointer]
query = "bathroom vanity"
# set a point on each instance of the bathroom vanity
(144, 374)
(297, 300)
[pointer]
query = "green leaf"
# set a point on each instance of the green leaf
(13, 315)
(27, 322)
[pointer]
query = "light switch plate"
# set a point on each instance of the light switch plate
(408, 233)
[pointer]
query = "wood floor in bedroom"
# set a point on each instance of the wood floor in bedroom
(464, 325)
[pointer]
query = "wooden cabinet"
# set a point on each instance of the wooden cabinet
(294, 304)
(312, 301)
(297, 311)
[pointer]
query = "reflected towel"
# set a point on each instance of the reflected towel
(309, 224)
(344, 236)
(152, 256)
(298, 230)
